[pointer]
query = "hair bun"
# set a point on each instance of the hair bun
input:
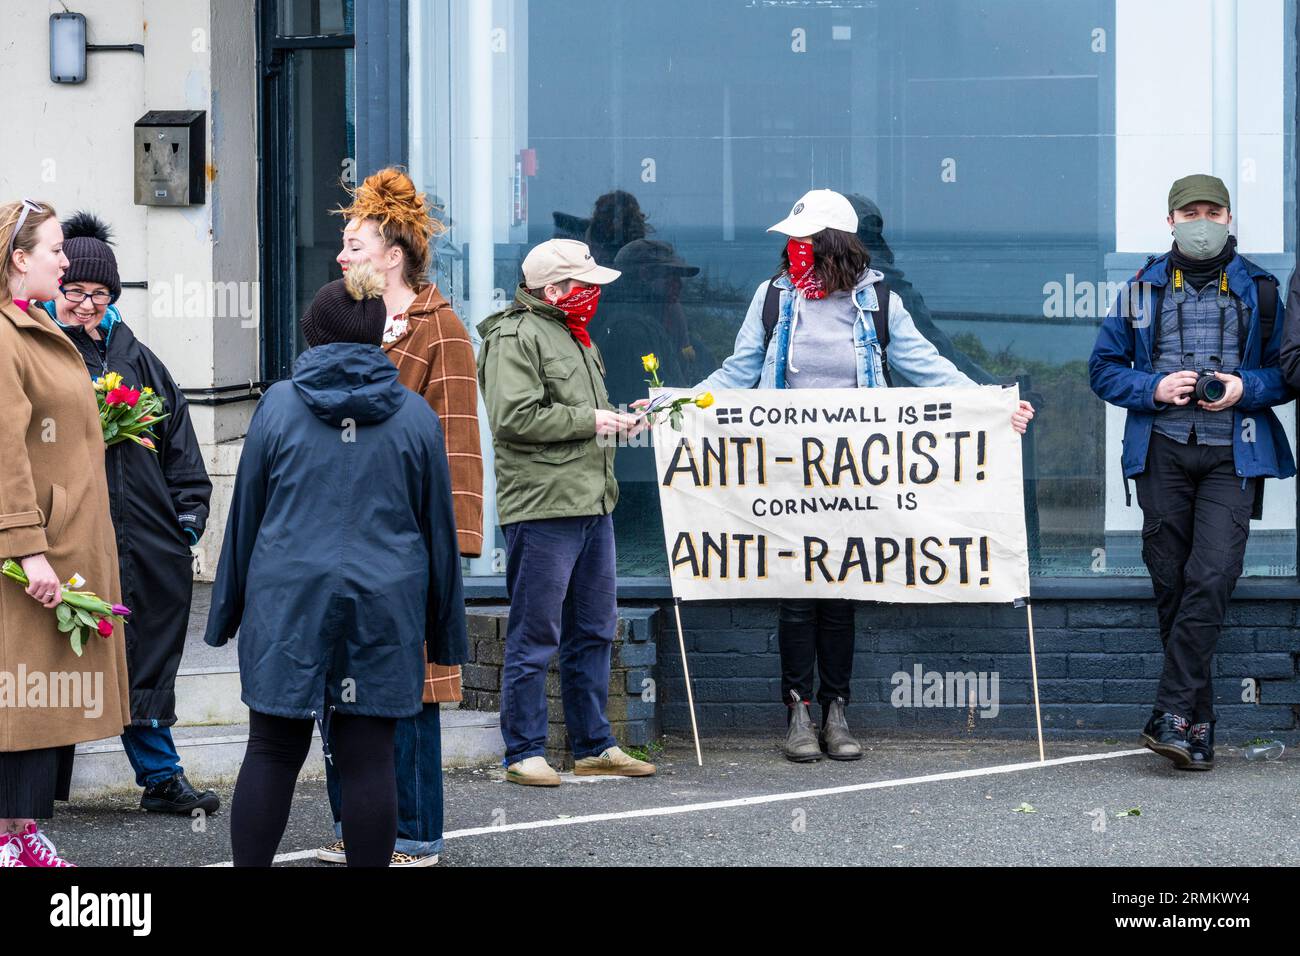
(390, 197)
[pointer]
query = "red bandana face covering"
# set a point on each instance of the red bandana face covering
(579, 306)
(801, 269)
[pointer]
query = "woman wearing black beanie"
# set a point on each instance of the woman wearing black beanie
(340, 572)
(158, 500)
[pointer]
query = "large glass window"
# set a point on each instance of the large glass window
(1008, 159)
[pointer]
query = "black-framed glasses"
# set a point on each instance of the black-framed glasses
(77, 296)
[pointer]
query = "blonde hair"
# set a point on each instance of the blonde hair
(403, 216)
(10, 214)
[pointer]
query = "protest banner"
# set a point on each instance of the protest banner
(901, 495)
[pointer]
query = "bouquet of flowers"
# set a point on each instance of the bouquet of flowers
(651, 364)
(80, 612)
(127, 414)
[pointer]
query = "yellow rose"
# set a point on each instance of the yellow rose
(705, 400)
(650, 362)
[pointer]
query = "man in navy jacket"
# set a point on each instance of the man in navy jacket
(1191, 351)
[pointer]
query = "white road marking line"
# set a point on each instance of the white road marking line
(784, 797)
(756, 800)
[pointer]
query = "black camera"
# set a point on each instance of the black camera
(1209, 388)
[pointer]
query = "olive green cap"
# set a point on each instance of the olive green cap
(1199, 187)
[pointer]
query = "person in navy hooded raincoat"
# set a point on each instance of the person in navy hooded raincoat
(339, 568)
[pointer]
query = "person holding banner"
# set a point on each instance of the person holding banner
(827, 320)
(1190, 349)
(543, 382)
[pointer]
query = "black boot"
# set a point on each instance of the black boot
(178, 796)
(1166, 734)
(801, 739)
(1200, 741)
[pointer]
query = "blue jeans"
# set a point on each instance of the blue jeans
(152, 753)
(417, 754)
(561, 581)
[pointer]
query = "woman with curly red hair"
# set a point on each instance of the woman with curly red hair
(389, 226)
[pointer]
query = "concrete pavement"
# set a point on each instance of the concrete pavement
(895, 808)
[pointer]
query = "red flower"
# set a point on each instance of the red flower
(144, 440)
(105, 627)
(122, 396)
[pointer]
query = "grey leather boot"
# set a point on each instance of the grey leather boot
(836, 739)
(801, 739)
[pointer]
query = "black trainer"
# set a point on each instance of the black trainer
(1166, 734)
(178, 796)
(1200, 741)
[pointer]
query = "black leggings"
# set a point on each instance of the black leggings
(277, 747)
(816, 635)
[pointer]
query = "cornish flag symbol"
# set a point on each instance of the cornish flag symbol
(937, 413)
(729, 416)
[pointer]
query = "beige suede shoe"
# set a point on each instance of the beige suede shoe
(533, 772)
(613, 763)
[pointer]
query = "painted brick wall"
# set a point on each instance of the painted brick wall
(1098, 665)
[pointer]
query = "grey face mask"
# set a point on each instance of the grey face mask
(1201, 238)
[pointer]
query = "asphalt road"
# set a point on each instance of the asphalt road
(892, 808)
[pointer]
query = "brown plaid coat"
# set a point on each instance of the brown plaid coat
(436, 359)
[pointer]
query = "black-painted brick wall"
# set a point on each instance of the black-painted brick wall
(1098, 665)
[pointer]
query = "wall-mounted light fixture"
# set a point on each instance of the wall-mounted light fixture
(68, 47)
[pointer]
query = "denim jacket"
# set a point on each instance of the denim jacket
(910, 352)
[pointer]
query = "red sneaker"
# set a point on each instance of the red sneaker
(37, 850)
(11, 851)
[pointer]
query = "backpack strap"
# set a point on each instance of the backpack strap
(1158, 310)
(1266, 293)
(880, 318)
(771, 311)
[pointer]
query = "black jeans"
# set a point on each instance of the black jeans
(1196, 518)
(816, 634)
(277, 747)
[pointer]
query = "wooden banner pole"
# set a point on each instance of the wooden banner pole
(1033, 667)
(686, 672)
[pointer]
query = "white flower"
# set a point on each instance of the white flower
(397, 328)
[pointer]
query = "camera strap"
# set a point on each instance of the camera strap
(1224, 297)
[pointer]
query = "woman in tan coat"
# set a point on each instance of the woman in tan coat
(54, 521)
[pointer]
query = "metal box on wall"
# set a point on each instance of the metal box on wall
(170, 155)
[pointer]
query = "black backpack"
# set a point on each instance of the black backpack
(879, 318)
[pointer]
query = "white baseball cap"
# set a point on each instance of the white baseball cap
(558, 259)
(817, 210)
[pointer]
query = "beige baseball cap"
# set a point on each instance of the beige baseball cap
(558, 259)
(817, 210)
